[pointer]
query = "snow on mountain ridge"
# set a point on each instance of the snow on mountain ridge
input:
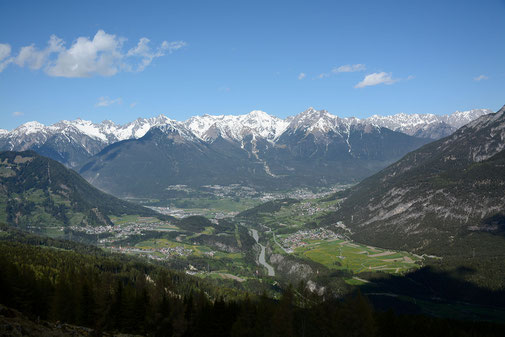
(29, 127)
(236, 127)
(414, 123)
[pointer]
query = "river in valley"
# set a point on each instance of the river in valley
(261, 260)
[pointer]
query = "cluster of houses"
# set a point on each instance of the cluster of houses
(119, 232)
(302, 237)
(232, 191)
(175, 212)
(162, 253)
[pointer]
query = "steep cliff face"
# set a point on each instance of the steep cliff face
(445, 190)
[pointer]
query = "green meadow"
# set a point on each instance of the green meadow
(343, 254)
(198, 250)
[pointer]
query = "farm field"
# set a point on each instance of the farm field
(208, 261)
(197, 250)
(343, 254)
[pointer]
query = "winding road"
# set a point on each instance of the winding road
(261, 259)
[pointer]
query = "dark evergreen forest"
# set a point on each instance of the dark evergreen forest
(61, 281)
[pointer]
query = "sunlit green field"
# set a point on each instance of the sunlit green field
(221, 275)
(198, 250)
(54, 232)
(342, 254)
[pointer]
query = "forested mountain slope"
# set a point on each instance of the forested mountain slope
(36, 191)
(437, 195)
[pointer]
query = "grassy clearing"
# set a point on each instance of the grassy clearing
(198, 250)
(54, 232)
(342, 254)
(222, 275)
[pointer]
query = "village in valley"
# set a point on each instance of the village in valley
(300, 238)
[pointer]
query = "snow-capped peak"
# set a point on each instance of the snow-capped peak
(460, 118)
(93, 137)
(413, 123)
(256, 123)
(321, 122)
(30, 127)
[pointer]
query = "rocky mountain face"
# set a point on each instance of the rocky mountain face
(256, 149)
(428, 125)
(435, 197)
(36, 191)
(74, 142)
(168, 156)
(314, 148)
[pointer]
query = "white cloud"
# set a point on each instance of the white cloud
(5, 51)
(147, 55)
(375, 79)
(481, 78)
(36, 59)
(18, 113)
(106, 101)
(85, 58)
(347, 68)
(302, 76)
(103, 55)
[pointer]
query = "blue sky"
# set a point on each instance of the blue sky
(353, 58)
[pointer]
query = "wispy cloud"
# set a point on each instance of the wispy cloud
(5, 52)
(481, 78)
(106, 101)
(147, 55)
(376, 79)
(301, 76)
(18, 113)
(102, 55)
(347, 68)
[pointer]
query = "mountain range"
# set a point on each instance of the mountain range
(72, 142)
(446, 193)
(312, 148)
